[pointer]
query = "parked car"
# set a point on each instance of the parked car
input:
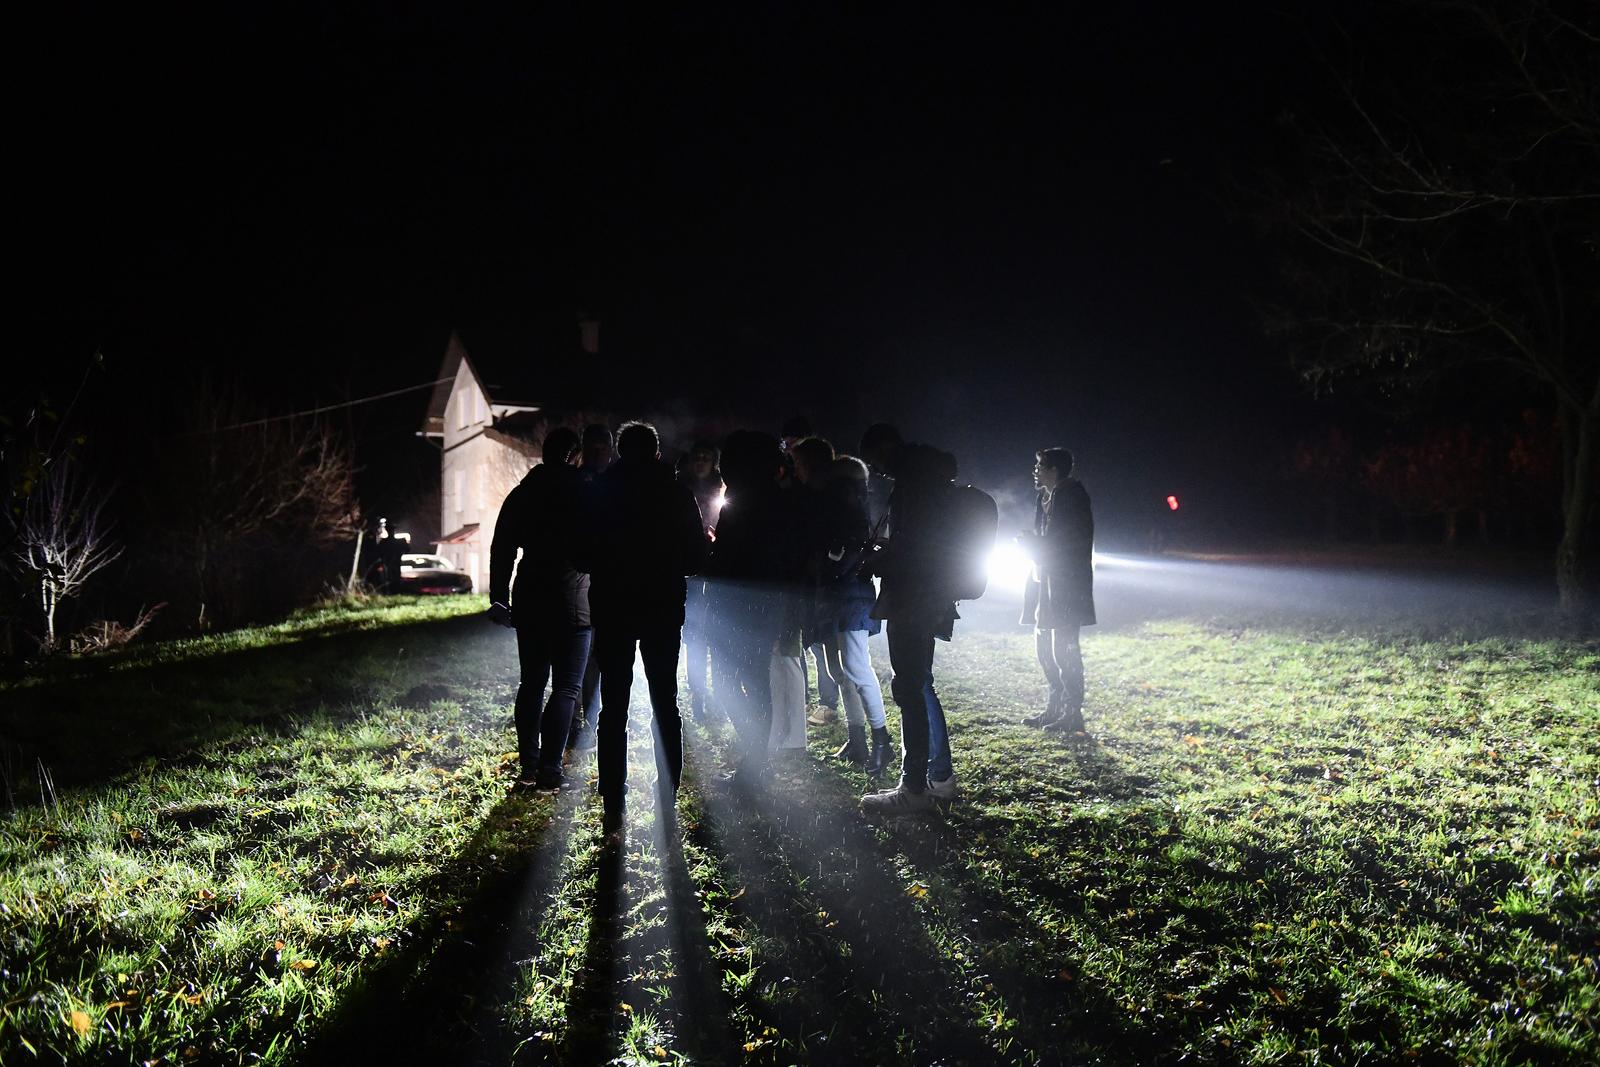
(421, 572)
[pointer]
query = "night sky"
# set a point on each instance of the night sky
(1000, 231)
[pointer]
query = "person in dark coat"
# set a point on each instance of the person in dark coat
(646, 535)
(756, 553)
(598, 451)
(1059, 597)
(548, 604)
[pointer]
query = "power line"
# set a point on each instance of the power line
(320, 410)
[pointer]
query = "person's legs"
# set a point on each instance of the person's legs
(859, 676)
(588, 711)
(659, 651)
(911, 658)
(787, 678)
(570, 660)
(827, 687)
(849, 692)
(694, 647)
(615, 652)
(1068, 655)
(941, 767)
(749, 651)
(533, 655)
(1044, 652)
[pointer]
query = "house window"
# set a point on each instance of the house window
(477, 406)
(460, 493)
(461, 411)
(477, 488)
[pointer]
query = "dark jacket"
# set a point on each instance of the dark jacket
(759, 555)
(912, 563)
(838, 533)
(1060, 592)
(541, 516)
(645, 534)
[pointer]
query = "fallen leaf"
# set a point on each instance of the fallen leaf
(1277, 994)
(303, 965)
(1191, 740)
(82, 1023)
(917, 891)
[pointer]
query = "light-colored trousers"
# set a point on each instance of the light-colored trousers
(850, 664)
(788, 675)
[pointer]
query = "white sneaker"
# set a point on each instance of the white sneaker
(896, 801)
(944, 788)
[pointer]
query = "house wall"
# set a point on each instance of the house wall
(476, 474)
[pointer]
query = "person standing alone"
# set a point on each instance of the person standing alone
(1059, 597)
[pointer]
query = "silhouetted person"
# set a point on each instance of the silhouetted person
(598, 452)
(698, 473)
(755, 553)
(647, 535)
(795, 429)
(1059, 596)
(548, 604)
(915, 600)
(811, 457)
(842, 615)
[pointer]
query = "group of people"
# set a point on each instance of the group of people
(753, 557)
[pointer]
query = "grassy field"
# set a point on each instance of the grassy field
(298, 844)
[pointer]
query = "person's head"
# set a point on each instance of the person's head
(794, 431)
(921, 465)
(700, 462)
(811, 458)
(1051, 467)
(848, 472)
(597, 448)
(750, 460)
(638, 441)
(560, 446)
(879, 444)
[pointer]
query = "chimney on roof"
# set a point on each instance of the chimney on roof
(589, 334)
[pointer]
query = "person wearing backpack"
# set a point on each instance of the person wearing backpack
(1058, 599)
(915, 599)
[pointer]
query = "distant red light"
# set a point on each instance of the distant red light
(1172, 503)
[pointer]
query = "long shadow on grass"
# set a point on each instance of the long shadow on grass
(697, 986)
(159, 709)
(442, 999)
(852, 968)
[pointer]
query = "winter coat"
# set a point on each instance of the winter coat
(912, 564)
(837, 536)
(542, 517)
(757, 557)
(1060, 592)
(644, 537)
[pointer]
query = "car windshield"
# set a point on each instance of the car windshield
(423, 562)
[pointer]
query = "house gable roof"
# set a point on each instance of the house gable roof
(502, 391)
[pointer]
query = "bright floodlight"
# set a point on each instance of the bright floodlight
(1009, 566)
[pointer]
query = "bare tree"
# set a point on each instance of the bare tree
(240, 495)
(1447, 214)
(61, 540)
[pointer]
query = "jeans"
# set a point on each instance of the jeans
(741, 661)
(1061, 659)
(940, 765)
(850, 665)
(696, 647)
(827, 688)
(911, 658)
(614, 647)
(559, 656)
